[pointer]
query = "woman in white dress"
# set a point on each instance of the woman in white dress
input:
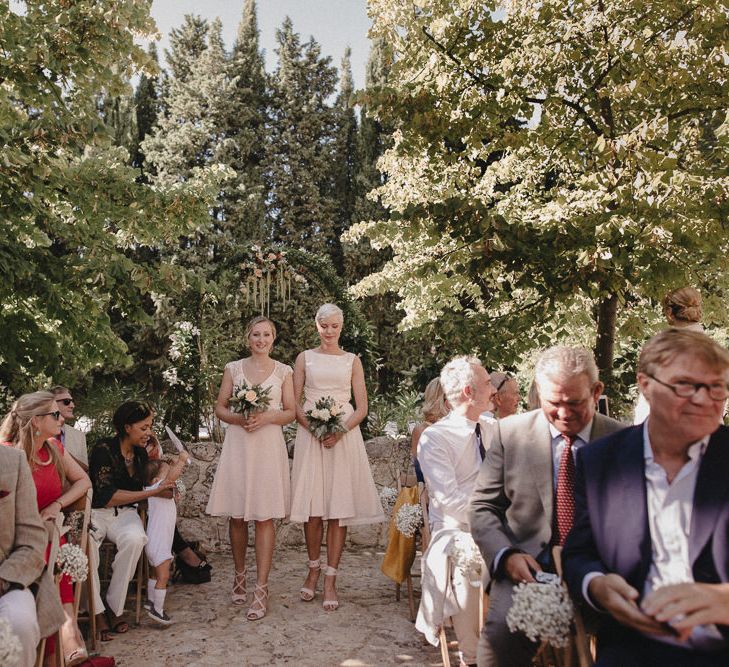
(252, 479)
(331, 479)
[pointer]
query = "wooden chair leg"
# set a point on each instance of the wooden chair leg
(397, 592)
(443, 642)
(140, 582)
(411, 597)
(90, 600)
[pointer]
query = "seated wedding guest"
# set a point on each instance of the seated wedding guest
(435, 407)
(683, 310)
(72, 439)
(23, 542)
(116, 466)
(522, 502)
(650, 543)
(507, 396)
(450, 454)
(30, 426)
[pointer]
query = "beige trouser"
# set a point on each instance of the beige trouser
(466, 623)
(124, 528)
(18, 609)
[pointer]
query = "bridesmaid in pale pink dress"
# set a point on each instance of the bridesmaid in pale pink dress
(331, 479)
(252, 479)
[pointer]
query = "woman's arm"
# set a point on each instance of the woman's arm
(299, 379)
(80, 484)
(359, 390)
(276, 416)
(123, 497)
(177, 467)
(221, 404)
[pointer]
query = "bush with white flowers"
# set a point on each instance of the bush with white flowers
(467, 557)
(73, 562)
(408, 519)
(10, 647)
(388, 497)
(543, 612)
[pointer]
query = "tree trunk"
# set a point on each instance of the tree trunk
(607, 314)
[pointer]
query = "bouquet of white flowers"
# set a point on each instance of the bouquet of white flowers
(73, 562)
(388, 497)
(249, 399)
(325, 418)
(180, 488)
(10, 647)
(408, 519)
(543, 612)
(467, 557)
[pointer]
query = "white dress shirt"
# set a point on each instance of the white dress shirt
(450, 460)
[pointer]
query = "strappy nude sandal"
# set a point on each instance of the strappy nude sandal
(330, 605)
(260, 603)
(239, 595)
(307, 594)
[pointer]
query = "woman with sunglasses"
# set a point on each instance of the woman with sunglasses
(116, 468)
(30, 426)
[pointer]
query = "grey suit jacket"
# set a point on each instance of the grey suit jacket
(75, 442)
(23, 539)
(511, 506)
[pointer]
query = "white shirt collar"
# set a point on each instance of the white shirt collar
(695, 451)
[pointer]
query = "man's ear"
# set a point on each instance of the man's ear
(643, 382)
(597, 390)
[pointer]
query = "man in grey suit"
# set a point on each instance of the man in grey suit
(523, 502)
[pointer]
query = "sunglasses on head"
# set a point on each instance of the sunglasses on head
(503, 382)
(56, 415)
(65, 401)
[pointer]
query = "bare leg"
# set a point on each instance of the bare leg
(239, 542)
(336, 536)
(313, 532)
(265, 543)
(71, 639)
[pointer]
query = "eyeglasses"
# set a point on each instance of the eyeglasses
(56, 415)
(65, 401)
(717, 392)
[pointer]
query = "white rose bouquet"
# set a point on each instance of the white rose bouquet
(325, 418)
(543, 612)
(10, 647)
(408, 519)
(249, 399)
(73, 562)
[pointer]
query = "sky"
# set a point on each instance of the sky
(335, 24)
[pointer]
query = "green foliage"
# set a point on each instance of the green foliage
(389, 414)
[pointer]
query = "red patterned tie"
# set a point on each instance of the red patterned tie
(565, 491)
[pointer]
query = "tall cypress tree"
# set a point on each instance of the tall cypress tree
(146, 109)
(186, 44)
(301, 204)
(245, 118)
(345, 158)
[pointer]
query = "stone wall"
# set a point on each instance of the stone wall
(387, 457)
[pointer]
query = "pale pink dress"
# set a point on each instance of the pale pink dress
(252, 479)
(334, 483)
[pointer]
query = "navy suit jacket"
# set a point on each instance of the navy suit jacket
(611, 532)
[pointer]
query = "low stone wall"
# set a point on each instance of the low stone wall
(387, 458)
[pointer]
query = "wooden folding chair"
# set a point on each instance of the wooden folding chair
(54, 537)
(580, 652)
(83, 505)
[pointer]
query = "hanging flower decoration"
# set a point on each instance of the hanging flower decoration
(388, 498)
(264, 268)
(467, 557)
(73, 562)
(408, 519)
(543, 612)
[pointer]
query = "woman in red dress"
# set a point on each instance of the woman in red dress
(31, 425)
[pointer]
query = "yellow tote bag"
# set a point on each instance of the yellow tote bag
(400, 552)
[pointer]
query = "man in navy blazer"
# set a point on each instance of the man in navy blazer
(650, 543)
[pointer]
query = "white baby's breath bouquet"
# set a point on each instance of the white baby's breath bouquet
(73, 562)
(543, 612)
(467, 557)
(388, 497)
(325, 418)
(10, 647)
(408, 519)
(180, 488)
(247, 399)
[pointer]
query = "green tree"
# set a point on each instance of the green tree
(186, 44)
(561, 157)
(245, 118)
(70, 207)
(301, 205)
(146, 109)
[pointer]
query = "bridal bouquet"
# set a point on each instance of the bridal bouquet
(10, 647)
(408, 519)
(249, 399)
(73, 562)
(325, 418)
(543, 612)
(467, 557)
